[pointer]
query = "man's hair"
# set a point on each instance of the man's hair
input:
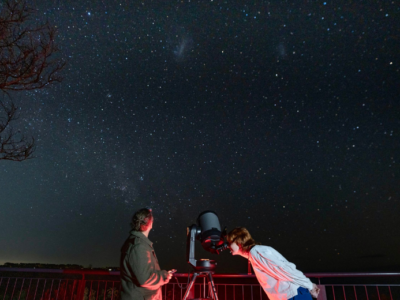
(141, 219)
(241, 236)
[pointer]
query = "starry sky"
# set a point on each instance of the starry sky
(281, 116)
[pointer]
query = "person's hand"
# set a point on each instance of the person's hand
(170, 274)
(315, 291)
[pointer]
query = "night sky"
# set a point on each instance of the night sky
(281, 116)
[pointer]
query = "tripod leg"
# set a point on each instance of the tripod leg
(190, 285)
(214, 290)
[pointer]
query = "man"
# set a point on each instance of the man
(279, 278)
(141, 276)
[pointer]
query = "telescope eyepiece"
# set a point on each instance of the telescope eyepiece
(221, 248)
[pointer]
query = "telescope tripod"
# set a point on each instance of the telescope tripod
(210, 279)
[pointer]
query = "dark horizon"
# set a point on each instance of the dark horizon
(72, 266)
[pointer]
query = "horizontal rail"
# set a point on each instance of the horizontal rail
(17, 288)
(180, 283)
(218, 275)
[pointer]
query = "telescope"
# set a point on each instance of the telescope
(208, 232)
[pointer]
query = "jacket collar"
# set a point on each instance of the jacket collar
(142, 237)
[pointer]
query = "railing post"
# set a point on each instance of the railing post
(322, 292)
(249, 272)
(81, 288)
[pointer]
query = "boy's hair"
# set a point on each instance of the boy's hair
(141, 219)
(241, 236)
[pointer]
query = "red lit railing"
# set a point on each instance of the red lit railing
(50, 284)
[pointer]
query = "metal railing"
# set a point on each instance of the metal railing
(102, 285)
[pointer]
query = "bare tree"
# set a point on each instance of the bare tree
(13, 145)
(28, 61)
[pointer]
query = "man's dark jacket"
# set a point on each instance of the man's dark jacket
(141, 277)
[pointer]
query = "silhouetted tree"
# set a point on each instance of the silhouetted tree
(28, 61)
(13, 145)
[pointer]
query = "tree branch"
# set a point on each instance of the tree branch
(29, 60)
